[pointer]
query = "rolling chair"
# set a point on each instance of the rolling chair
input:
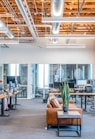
(89, 89)
(91, 100)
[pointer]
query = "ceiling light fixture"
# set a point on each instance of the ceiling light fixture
(6, 15)
(5, 29)
(66, 46)
(67, 19)
(71, 36)
(9, 41)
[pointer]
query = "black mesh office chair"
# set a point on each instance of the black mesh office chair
(89, 89)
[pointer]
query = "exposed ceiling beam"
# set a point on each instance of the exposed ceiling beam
(26, 18)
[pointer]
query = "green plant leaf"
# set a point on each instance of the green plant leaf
(65, 93)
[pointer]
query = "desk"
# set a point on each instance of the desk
(85, 95)
(2, 96)
(68, 115)
(81, 95)
(11, 95)
(58, 91)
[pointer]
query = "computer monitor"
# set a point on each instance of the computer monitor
(13, 79)
(81, 82)
(71, 85)
(57, 84)
(72, 81)
(51, 85)
(10, 79)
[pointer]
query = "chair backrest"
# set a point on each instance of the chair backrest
(88, 89)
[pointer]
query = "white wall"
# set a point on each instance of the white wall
(42, 55)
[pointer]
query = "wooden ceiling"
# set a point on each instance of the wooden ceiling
(11, 15)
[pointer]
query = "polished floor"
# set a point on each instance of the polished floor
(28, 122)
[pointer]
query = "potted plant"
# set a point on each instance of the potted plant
(65, 93)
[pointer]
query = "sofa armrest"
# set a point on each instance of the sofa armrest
(51, 115)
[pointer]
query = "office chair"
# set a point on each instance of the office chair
(91, 100)
(89, 89)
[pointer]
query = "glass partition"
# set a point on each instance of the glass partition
(61, 73)
(85, 71)
(51, 75)
(16, 74)
(23, 71)
(44, 76)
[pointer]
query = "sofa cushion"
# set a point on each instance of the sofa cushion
(55, 103)
(48, 104)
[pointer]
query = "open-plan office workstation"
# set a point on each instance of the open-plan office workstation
(44, 43)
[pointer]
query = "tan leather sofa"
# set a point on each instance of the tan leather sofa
(51, 113)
